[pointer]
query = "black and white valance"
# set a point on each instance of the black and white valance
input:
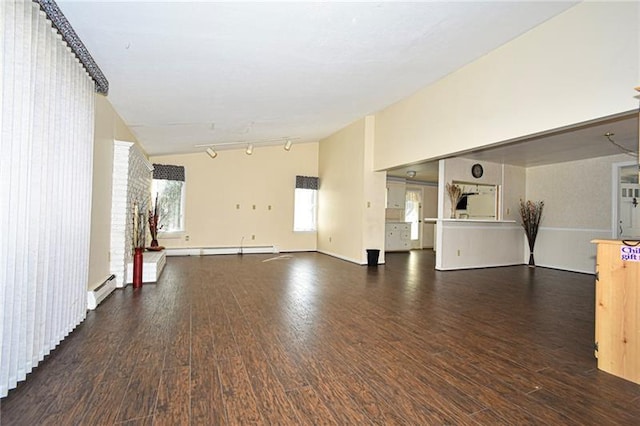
(168, 172)
(59, 21)
(307, 182)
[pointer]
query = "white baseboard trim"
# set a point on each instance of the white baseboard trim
(152, 266)
(206, 251)
(563, 268)
(348, 259)
(97, 295)
(483, 266)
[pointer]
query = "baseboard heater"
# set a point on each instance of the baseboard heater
(220, 250)
(97, 295)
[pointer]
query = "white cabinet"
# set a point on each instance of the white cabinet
(395, 195)
(397, 236)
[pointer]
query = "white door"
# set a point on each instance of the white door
(413, 215)
(629, 210)
(628, 196)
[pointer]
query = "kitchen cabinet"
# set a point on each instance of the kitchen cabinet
(395, 195)
(397, 236)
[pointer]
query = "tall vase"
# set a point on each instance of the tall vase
(532, 263)
(137, 267)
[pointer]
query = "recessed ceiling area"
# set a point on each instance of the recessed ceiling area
(579, 142)
(196, 73)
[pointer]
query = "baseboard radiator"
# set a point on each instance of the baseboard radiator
(97, 295)
(205, 251)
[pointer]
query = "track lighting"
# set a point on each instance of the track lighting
(212, 153)
(287, 145)
(249, 150)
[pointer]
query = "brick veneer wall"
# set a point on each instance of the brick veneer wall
(132, 174)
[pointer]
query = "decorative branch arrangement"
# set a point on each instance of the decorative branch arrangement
(153, 224)
(531, 214)
(455, 194)
(138, 232)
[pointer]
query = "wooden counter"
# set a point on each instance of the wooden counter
(618, 309)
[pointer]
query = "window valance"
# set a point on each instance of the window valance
(168, 172)
(307, 182)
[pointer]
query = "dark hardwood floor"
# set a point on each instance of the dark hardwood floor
(316, 340)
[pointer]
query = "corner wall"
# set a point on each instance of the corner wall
(351, 211)
(108, 127)
(341, 197)
(237, 198)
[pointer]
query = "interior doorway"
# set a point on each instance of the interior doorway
(626, 201)
(413, 215)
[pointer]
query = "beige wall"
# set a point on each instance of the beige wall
(352, 196)
(214, 187)
(513, 190)
(577, 194)
(341, 169)
(108, 127)
(578, 66)
(577, 199)
(374, 203)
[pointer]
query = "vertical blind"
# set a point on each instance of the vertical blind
(46, 128)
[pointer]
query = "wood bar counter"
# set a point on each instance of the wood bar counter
(618, 308)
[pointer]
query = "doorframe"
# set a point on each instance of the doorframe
(418, 188)
(615, 191)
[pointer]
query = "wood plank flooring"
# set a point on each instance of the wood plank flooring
(229, 340)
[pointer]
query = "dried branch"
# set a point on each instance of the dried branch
(531, 214)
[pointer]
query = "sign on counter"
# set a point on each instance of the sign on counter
(631, 254)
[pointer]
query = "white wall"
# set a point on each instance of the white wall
(236, 196)
(467, 244)
(579, 66)
(577, 197)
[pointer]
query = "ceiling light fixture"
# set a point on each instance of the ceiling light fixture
(249, 150)
(609, 136)
(287, 145)
(212, 152)
(411, 174)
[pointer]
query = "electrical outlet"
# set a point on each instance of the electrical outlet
(254, 206)
(458, 252)
(269, 207)
(186, 238)
(368, 204)
(253, 237)
(508, 210)
(329, 239)
(237, 206)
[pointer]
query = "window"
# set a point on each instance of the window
(305, 208)
(168, 186)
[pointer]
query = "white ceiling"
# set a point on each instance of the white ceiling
(189, 73)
